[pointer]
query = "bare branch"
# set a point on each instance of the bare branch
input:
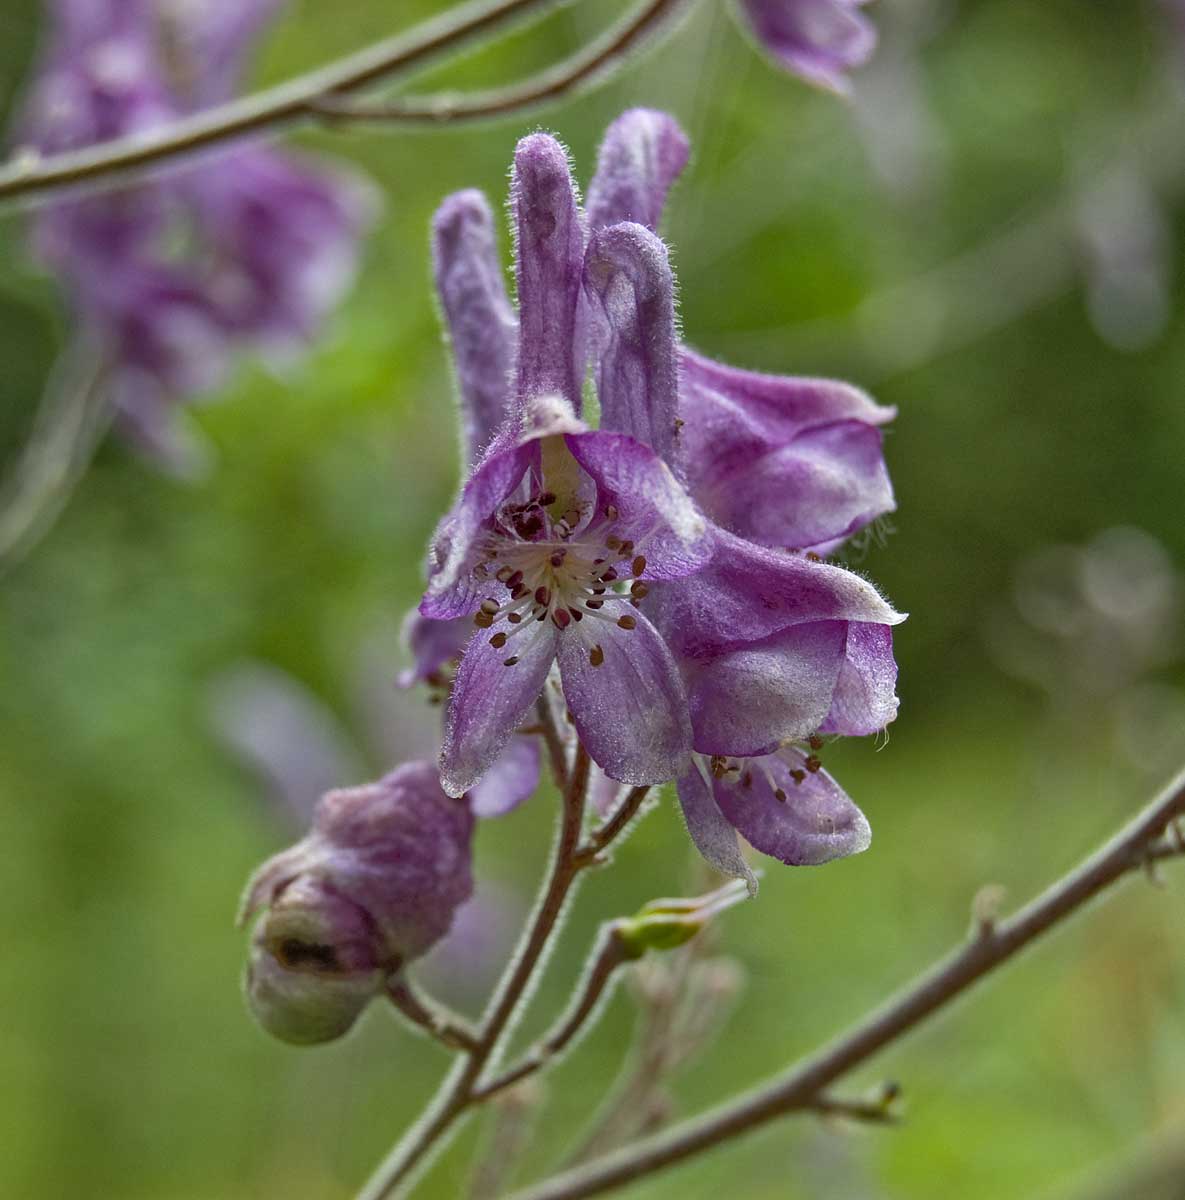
(600, 58)
(270, 109)
(802, 1086)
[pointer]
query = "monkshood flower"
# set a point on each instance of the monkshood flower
(373, 886)
(554, 517)
(560, 533)
(818, 40)
(774, 649)
(168, 278)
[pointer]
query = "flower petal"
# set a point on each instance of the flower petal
(642, 154)
(749, 592)
(750, 700)
(510, 781)
(481, 322)
(632, 301)
(820, 487)
(631, 710)
(490, 700)
(818, 40)
(452, 590)
(653, 509)
(865, 700)
(714, 837)
(815, 823)
(431, 644)
(549, 259)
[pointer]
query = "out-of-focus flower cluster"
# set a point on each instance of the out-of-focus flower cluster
(168, 278)
(1093, 626)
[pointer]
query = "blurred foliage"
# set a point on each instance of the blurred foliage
(131, 1068)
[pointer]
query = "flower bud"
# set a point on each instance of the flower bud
(373, 885)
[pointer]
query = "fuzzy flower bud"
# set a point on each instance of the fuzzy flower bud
(373, 885)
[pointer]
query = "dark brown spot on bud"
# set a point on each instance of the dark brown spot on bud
(511, 661)
(813, 764)
(798, 776)
(639, 591)
(627, 622)
(815, 741)
(483, 620)
(639, 564)
(498, 641)
(779, 794)
(514, 618)
(596, 656)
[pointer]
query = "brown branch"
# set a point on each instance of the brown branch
(610, 953)
(599, 58)
(283, 104)
(801, 1087)
(602, 838)
(444, 1026)
(456, 1095)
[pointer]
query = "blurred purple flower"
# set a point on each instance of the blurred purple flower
(818, 40)
(168, 278)
(561, 533)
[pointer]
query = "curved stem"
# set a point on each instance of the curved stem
(625, 812)
(457, 1094)
(1148, 836)
(608, 955)
(75, 412)
(269, 109)
(602, 56)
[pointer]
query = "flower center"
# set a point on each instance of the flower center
(558, 568)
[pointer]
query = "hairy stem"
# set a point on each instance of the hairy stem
(606, 54)
(267, 110)
(446, 1027)
(459, 1092)
(802, 1087)
(610, 953)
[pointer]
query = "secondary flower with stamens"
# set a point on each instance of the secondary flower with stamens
(774, 648)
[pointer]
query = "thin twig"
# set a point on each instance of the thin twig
(609, 954)
(269, 109)
(613, 827)
(446, 1027)
(74, 414)
(600, 57)
(801, 1087)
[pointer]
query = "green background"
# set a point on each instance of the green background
(129, 1067)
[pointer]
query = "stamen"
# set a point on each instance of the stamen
(511, 661)
(638, 565)
(490, 606)
(797, 776)
(779, 794)
(628, 622)
(546, 498)
(815, 742)
(596, 656)
(638, 590)
(611, 511)
(498, 641)
(562, 618)
(483, 620)
(813, 764)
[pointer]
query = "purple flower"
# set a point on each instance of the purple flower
(817, 40)
(373, 886)
(560, 534)
(168, 278)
